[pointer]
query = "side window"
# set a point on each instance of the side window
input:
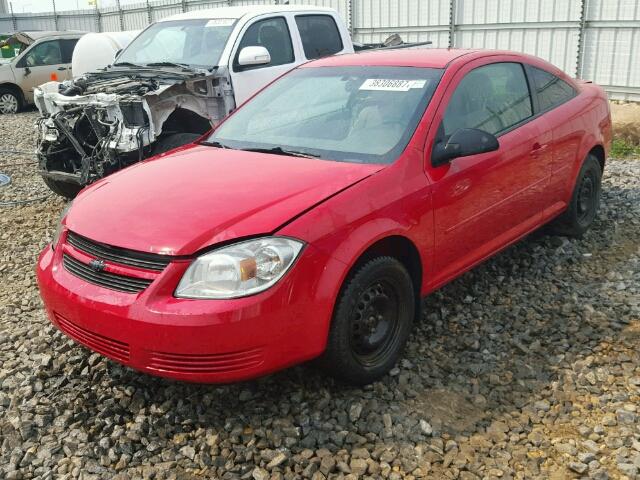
(492, 98)
(67, 49)
(552, 91)
(272, 34)
(320, 35)
(45, 53)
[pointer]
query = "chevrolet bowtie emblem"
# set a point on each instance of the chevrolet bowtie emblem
(96, 265)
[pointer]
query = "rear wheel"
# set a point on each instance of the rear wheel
(371, 322)
(64, 189)
(9, 101)
(585, 201)
(174, 141)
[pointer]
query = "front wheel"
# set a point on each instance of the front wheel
(371, 322)
(9, 101)
(585, 201)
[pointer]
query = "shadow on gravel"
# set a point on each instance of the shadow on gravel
(494, 341)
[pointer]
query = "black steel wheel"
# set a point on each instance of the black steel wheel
(585, 201)
(371, 323)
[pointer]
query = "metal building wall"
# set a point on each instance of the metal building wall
(597, 40)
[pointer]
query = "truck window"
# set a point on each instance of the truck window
(272, 34)
(320, 35)
(68, 44)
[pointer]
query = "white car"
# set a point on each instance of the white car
(175, 81)
(43, 56)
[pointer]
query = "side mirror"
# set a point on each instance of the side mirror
(27, 71)
(463, 143)
(256, 55)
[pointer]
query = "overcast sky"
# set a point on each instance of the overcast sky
(20, 6)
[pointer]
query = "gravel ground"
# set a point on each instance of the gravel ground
(527, 367)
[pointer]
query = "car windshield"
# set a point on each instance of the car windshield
(197, 43)
(353, 114)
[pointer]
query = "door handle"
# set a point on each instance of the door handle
(61, 69)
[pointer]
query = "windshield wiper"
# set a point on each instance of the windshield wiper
(184, 66)
(214, 144)
(127, 64)
(281, 151)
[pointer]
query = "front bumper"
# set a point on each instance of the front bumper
(211, 341)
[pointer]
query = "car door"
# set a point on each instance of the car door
(564, 123)
(481, 202)
(273, 33)
(39, 64)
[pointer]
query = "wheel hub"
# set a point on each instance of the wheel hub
(8, 103)
(373, 320)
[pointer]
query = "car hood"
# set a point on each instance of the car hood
(199, 196)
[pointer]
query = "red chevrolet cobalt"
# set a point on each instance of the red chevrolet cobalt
(311, 221)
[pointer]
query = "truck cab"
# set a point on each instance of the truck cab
(175, 81)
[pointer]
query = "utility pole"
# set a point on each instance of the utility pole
(55, 15)
(14, 20)
(120, 15)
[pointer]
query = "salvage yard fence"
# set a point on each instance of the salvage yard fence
(597, 40)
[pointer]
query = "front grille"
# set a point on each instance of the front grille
(104, 279)
(149, 261)
(101, 344)
(206, 363)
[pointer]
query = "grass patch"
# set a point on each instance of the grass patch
(621, 148)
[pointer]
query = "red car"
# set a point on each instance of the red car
(311, 221)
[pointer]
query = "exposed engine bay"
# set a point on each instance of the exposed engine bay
(104, 121)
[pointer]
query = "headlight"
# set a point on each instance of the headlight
(239, 270)
(58, 232)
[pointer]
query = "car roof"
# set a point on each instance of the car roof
(38, 34)
(404, 57)
(239, 12)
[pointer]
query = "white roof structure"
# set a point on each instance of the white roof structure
(239, 12)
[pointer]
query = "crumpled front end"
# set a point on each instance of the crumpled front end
(96, 125)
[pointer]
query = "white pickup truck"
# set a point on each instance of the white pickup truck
(175, 81)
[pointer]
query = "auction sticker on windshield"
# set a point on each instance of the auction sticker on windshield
(220, 22)
(391, 85)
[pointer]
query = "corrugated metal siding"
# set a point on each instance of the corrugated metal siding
(610, 42)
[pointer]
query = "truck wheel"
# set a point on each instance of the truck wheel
(585, 201)
(10, 102)
(174, 141)
(371, 323)
(64, 189)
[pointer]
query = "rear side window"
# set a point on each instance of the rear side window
(320, 35)
(552, 91)
(491, 98)
(272, 34)
(67, 46)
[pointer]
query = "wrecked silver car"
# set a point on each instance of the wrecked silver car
(171, 84)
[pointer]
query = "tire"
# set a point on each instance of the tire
(64, 189)
(10, 102)
(585, 201)
(363, 348)
(174, 141)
